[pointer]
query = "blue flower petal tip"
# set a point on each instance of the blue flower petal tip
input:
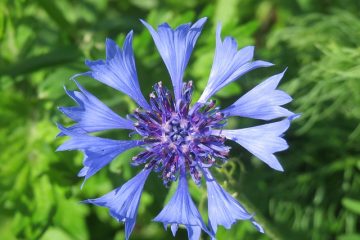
(179, 141)
(295, 116)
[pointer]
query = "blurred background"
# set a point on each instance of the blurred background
(43, 43)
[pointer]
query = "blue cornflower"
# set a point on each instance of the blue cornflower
(179, 140)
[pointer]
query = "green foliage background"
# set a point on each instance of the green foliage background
(43, 43)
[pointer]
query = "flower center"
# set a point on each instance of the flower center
(179, 137)
(176, 131)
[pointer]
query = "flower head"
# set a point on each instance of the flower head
(179, 140)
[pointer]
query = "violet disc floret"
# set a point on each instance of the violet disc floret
(180, 140)
(175, 137)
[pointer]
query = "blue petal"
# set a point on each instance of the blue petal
(175, 47)
(91, 114)
(118, 70)
(123, 202)
(194, 232)
(223, 209)
(262, 102)
(98, 151)
(262, 141)
(182, 210)
(229, 64)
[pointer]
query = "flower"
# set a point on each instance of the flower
(123, 202)
(178, 140)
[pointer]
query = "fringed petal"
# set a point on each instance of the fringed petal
(175, 47)
(123, 202)
(98, 151)
(182, 210)
(91, 114)
(118, 70)
(194, 232)
(262, 141)
(262, 102)
(229, 64)
(223, 209)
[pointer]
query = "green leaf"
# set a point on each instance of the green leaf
(49, 88)
(226, 11)
(349, 237)
(55, 57)
(351, 204)
(230, 91)
(56, 14)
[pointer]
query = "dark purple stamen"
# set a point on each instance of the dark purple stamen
(177, 136)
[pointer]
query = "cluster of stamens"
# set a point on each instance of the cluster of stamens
(177, 136)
